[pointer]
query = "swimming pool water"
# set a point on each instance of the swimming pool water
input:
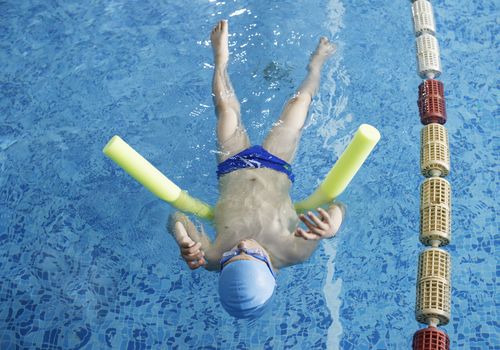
(86, 262)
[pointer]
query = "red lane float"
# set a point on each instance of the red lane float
(431, 338)
(431, 103)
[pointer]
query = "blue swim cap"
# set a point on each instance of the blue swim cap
(245, 288)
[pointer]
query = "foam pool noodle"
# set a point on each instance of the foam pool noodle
(343, 171)
(151, 178)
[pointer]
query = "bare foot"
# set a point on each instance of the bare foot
(219, 38)
(323, 51)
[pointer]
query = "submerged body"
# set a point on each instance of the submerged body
(257, 226)
(254, 209)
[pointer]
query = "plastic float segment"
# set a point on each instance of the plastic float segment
(430, 338)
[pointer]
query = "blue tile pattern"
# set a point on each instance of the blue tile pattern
(86, 262)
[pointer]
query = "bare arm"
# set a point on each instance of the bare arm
(296, 250)
(196, 248)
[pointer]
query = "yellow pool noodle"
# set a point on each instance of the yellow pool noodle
(344, 169)
(151, 178)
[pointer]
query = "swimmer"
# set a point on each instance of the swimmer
(257, 227)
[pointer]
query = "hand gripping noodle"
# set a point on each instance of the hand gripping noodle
(151, 178)
(344, 170)
(332, 186)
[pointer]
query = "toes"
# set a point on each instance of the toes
(220, 26)
(217, 27)
(223, 25)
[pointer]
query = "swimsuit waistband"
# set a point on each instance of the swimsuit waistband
(254, 157)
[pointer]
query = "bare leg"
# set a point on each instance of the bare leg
(283, 139)
(231, 135)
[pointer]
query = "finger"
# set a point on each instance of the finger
(319, 232)
(307, 235)
(320, 224)
(316, 231)
(191, 249)
(306, 222)
(324, 215)
(187, 244)
(193, 265)
(297, 232)
(180, 232)
(198, 252)
(195, 256)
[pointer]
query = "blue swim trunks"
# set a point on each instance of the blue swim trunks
(254, 157)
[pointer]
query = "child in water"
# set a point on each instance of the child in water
(257, 227)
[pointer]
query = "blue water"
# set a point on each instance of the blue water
(85, 260)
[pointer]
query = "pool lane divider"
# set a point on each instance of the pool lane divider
(433, 294)
(335, 182)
